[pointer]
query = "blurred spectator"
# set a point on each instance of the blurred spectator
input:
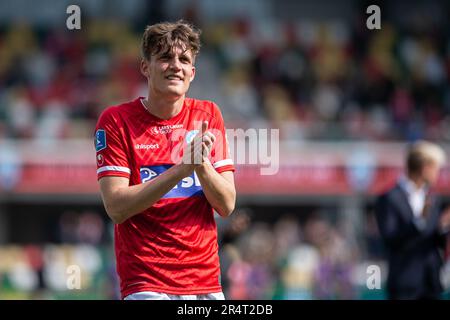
(298, 274)
(333, 272)
(375, 249)
(251, 276)
(85, 227)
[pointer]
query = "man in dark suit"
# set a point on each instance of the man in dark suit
(413, 227)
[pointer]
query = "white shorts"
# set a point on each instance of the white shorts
(151, 295)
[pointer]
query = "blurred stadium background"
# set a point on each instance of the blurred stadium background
(347, 100)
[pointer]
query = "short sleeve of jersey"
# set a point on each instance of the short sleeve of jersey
(110, 146)
(220, 154)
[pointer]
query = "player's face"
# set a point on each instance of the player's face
(430, 172)
(170, 73)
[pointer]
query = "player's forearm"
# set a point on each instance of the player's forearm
(128, 201)
(219, 192)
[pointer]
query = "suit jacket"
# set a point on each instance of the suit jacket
(415, 256)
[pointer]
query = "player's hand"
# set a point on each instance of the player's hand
(207, 139)
(198, 150)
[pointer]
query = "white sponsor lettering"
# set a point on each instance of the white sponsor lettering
(165, 129)
(139, 146)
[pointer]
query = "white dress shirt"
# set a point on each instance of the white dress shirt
(416, 199)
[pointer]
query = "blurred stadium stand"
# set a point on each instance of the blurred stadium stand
(346, 101)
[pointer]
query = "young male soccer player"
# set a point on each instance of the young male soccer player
(163, 166)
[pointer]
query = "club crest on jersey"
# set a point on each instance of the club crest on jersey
(191, 135)
(100, 140)
(187, 187)
(154, 130)
(100, 160)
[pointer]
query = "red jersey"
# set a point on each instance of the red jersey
(172, 246)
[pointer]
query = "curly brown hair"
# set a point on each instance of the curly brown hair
(163, 37)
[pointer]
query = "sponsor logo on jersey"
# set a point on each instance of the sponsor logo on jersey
(187, 187)
(100, 140)
(147, 174)
(165, 129)
(139, 146)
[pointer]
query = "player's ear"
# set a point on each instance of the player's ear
(193, 74)
(144, 68)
